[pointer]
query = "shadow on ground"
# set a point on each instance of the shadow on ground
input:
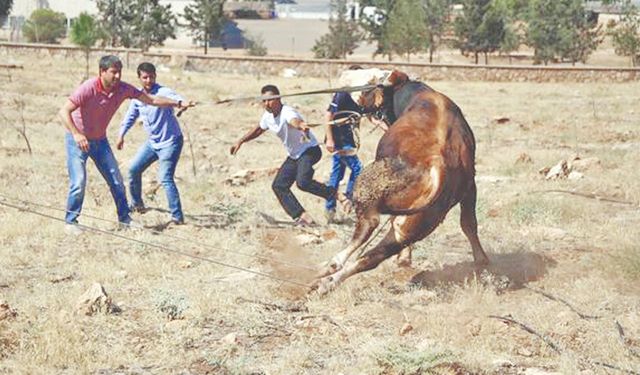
(519, 268)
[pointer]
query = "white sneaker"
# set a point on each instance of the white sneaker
(132, 225)
(73, 229)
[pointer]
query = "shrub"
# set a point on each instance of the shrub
(45, 26)
(255, 46)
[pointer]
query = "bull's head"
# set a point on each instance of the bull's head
(378, 102)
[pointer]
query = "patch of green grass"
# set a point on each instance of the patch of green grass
(534, 211)
(170, 304)
(628, 260)
(400, 359)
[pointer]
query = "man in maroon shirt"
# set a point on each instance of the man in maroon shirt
(86, 115)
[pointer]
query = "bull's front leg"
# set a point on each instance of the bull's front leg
(364, 228)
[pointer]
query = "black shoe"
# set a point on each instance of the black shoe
(138, 209)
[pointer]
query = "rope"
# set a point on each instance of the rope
(363, 248)
(157, 232)
(268, 97)
(160, 247)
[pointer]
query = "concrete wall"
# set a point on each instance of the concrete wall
(331, 68)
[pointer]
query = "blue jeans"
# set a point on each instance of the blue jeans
(340, 164)
(101, 154)
(168, 156)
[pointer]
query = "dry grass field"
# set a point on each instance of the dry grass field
(565, 254)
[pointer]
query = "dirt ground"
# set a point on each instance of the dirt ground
(225, 293)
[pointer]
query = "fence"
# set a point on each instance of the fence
(331, 68)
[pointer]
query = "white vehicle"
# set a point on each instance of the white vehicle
(373, 14)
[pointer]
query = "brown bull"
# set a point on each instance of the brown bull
(424, 166)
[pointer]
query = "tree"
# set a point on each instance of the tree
(543, 29)
(625, 34)
(45, 26)
(205, 19)
(136, 23)
(343, 36)
(581, 36)
(406, 29)
(437, 14)
(115, 18)
(560, 30)
(480, 28)
(512, 10)
(5, 8)
(152, 25)
(85, 32)
(511, 41)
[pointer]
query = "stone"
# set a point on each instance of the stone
(406, 328)
(6, 312)
(95, 300)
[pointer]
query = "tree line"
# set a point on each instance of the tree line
(556, 30)
(132, 24)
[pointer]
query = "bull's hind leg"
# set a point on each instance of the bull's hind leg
(364, 228)
(402, 234)
(469, 225)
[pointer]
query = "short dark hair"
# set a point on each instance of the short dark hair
(146, 67)
(269, 88)
(109, 61)
(355, 67)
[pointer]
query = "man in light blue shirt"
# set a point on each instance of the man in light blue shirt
(164, 142)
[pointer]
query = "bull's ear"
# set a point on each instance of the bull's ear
(396, 78)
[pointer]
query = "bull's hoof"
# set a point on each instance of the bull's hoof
(329, 269)
(323, 285)
(326, 285)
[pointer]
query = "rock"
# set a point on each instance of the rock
(245, 176)
(573, 175)
(560, 170)
(474, 327)
(186, 264)
(500, 362)
(230, 339)
(95, 300)
(582, 165)
(524, 352)
(554, 234)
(406, 328)
(6, 312)
(524, 158)
(289, 73)
(308, 239)
(329, 234)
(425, 296)
(539, 371)
(500, 119)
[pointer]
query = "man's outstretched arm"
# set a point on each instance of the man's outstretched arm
(251, 134)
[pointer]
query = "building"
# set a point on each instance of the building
(22, 9)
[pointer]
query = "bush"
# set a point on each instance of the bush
(45, 26)
(255, 46)
(405, 360)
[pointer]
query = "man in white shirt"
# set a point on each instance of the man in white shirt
(303, 152)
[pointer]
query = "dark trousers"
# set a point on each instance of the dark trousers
(299, 171)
